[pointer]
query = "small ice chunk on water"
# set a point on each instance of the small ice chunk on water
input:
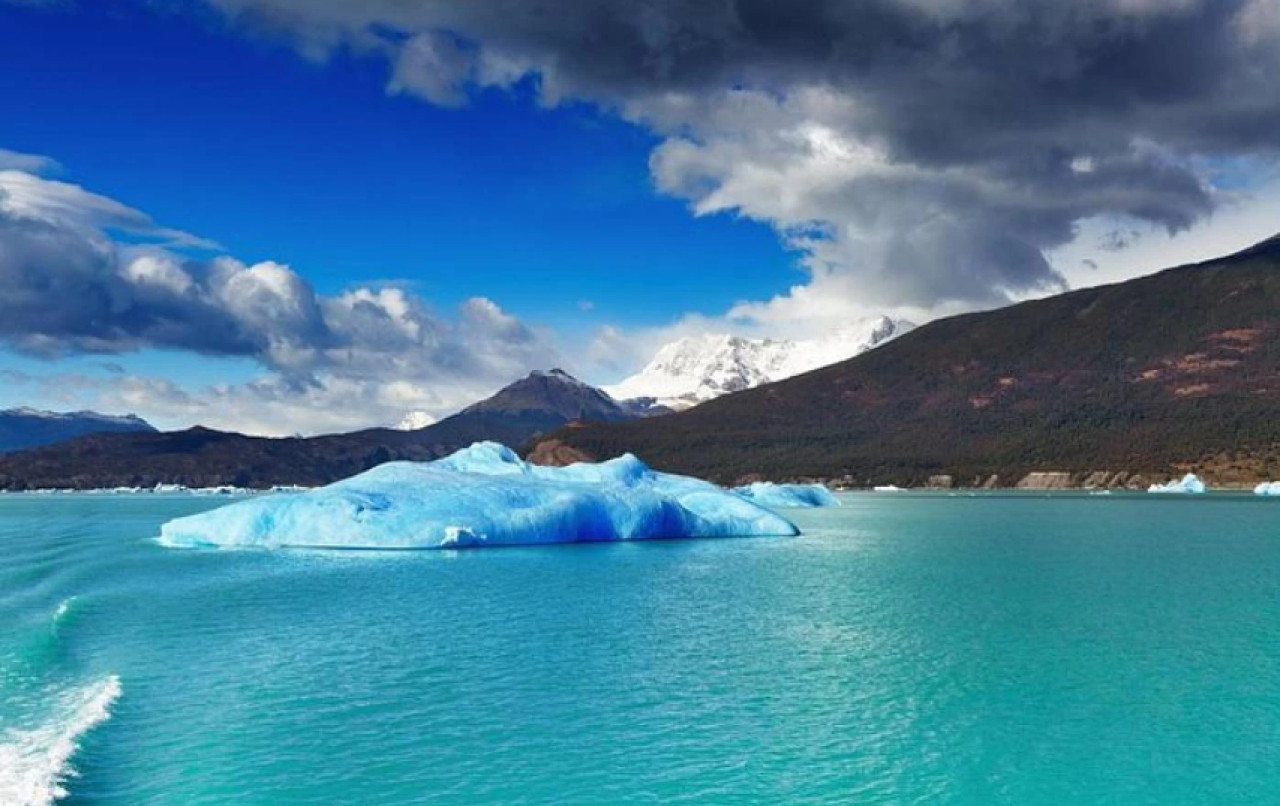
(1267, 488)
(1189, 483)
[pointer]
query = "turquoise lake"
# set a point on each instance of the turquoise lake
(908, 648)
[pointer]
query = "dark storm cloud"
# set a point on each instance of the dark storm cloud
(997, 125)
(65, 290)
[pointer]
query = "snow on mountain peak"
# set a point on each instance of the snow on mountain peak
(414, 420)
(695, 369)
(41, 414)
(560, 375)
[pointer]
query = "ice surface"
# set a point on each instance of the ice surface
(482, 495)
(1190, 483)
(768, 494)
(1267, 488)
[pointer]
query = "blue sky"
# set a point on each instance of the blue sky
(437, 197)
(238, 139)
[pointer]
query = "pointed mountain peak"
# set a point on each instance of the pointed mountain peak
(554, 392)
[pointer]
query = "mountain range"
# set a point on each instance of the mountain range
(200, 457)
(696, 369)
(28, 428)
(1175, 371)
(1155, 376)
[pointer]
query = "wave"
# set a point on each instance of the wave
(35, 763)
(64, 609)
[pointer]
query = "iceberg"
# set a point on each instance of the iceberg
(1190, 483)
(1267, 488)
(483, 495)
(768, 494)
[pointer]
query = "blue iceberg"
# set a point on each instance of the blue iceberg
(483, 495)
(1190, 483)
(1267, 488)
(768, 494)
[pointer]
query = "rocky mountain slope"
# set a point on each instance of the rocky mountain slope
(29, 428)
(1159, 374)
(695, 369)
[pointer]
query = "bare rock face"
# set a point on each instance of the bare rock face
(940, 482)
(1098, 480)
(1049, 480)
(554, 453)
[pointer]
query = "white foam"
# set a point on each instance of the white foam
(64, 607)
(35, 763)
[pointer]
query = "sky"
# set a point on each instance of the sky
(303, 216)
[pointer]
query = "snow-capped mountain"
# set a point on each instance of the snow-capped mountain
(29, 428)
(414, 420)
(698, 368)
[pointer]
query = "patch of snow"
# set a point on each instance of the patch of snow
(414, 420)
(483, 495)
(93, 416)
(561, 376)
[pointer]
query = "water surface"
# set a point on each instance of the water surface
(908, 648)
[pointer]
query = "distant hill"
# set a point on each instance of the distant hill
(200, 457)
(29, 428)
(1176, 370)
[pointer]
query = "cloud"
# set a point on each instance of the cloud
(31, 163)
(83, 273)
(915, 152)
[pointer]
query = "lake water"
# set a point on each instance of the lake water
(908, 648)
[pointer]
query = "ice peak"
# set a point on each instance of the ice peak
(415, 420)
(697, 368)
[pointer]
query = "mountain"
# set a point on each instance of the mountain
(1178, 370)
(552, 394)
(695, 369)
(541, 402)
(29, 428)
(200, 457)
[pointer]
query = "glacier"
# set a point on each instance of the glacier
(1189, 483)
(1267, 488)
(483, 495)
(768, 494)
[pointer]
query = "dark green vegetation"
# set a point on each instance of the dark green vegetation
(1173, 371)
(28, 428)
(200, 457)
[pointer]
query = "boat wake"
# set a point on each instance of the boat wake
(64, 611)
(35, 763)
